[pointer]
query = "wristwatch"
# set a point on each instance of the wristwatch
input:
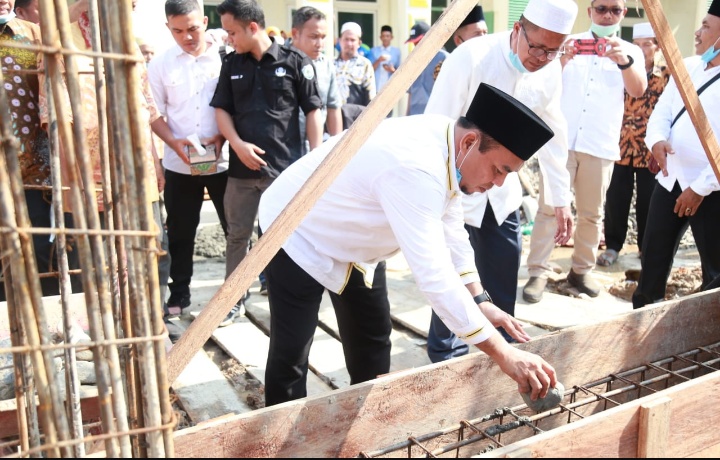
(484, 297)
(631, 61)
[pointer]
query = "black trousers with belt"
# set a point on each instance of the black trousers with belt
(363, 316)
(184, 195)
(663, 233)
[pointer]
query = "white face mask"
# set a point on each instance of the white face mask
(7, 18)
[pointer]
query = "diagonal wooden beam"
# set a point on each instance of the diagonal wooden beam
(679, 72)
(239, 281)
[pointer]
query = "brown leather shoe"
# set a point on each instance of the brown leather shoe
(584, 283)
(534, 288)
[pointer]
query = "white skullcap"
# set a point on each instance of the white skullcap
(553, 15)
(352, 27)
(643, 30)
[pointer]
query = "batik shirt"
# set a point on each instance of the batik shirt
(19, 68)
(633, 151)
(355, 80)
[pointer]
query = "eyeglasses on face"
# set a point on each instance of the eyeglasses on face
(601, 10)
(539, 52)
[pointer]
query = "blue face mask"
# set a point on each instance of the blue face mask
(458, 174)
(604, 31)
(710, 54)
(515, 59)
(7, 18)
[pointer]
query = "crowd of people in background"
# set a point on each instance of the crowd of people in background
(257, 99)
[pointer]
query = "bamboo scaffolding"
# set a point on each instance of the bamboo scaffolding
(118, 252)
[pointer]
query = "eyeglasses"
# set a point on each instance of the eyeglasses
(601, 10)
(539, 52)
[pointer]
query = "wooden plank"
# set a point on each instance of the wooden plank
(267, 246)
(615, 433)
(247, 344)
(654, 429)
(419, 401)
(8, 411)
(326, 354)
(688, 93)
(205, 393)
(407, 350)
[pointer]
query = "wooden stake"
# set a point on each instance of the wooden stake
(688, 92)
(654, 428)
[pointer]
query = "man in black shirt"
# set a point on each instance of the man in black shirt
(262, 87)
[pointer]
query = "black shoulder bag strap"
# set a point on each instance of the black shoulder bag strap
(702, 88)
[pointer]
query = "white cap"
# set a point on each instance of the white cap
(554, 15)
(643, 30)
(353, 27)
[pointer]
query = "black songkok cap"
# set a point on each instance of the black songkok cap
(476, 15)
(508, 121)
(385, 29)
(715, 8)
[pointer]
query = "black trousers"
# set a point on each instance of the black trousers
(618, 200)
(39, 206)
(183, 201)
(363, 316)
(663, 233)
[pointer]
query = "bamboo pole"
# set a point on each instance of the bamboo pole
(261, 253)
(140, 268)
(27, 419)
(50, 37)
(72, 381)
(159, 390)
(15, 259)
(86, 171)
(688, 92)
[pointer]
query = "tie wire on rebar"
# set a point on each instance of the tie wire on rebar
(607, 398)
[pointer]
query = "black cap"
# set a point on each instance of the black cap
(508, 121)
(476, 15)
(416, 33)
(385, 29)
(715, 8)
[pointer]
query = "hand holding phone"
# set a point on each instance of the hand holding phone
(591, 46)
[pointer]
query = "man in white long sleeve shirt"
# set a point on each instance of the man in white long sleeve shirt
(401, 191)
(523, 62)
(688, 192)
(593, 101)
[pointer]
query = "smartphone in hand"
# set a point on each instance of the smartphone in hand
(591, 46)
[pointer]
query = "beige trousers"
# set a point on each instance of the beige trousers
(590, 178)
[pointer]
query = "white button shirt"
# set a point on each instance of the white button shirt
(689, 165)
(593, 101)
(485, 60)
(399, 192)
(183, 86)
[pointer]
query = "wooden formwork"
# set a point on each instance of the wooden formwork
(387, 410)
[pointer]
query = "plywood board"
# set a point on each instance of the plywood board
(425, 399)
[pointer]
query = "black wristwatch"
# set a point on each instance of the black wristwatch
(631, 61)
(484, 297)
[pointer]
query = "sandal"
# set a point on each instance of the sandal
(607, 258)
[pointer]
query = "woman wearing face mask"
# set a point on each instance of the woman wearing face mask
(688, 191)
(592, 101)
